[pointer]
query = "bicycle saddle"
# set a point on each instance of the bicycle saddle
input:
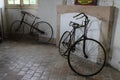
(75, 25)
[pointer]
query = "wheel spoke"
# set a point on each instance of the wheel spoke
(44, 31)
(64, 43)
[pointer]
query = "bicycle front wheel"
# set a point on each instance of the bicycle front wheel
(17, 30)
(91, 65)
(44, 31)
(64, 43)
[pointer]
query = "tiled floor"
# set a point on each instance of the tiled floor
(31, 61)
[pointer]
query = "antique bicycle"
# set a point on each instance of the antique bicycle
(42, 29)
(86, 56)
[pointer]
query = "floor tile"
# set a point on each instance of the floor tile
(31, 61)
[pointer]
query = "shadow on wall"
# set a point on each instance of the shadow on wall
(114, 30)
(115, 49)
(115, 61)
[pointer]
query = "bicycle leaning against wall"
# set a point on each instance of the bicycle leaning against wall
(43, 30)
(86, 56)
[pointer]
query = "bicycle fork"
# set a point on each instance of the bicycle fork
(35, 27)
(84, 47)
(84, 40)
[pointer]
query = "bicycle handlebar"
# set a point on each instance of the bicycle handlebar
(82, 13)
(24, 12)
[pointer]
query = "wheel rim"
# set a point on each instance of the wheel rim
(47, 29)
(87, 66)
(64, 43)
(16, 32)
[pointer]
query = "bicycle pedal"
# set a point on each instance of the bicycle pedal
(65, 56)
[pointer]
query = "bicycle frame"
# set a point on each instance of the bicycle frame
(72, 36)
(30, 25)
(84, 36)
(71, 40)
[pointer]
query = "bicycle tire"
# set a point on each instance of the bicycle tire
(64, 43)
(1, 33)
(87, 66)
(46, 28)
(16, 31)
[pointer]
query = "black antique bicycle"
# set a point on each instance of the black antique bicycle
(43, 30)
(86, 56)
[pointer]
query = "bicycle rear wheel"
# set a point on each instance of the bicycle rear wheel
(87, 66)
(17, 30)
(64, 43)
(47, 31)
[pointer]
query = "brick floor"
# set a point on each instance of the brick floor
(31, 61)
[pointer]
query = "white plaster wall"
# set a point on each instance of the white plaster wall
(3, 13)
(48, 12)
(93, 26)
(1, 3)
(106, 2)
(115, 43)
(116, 37)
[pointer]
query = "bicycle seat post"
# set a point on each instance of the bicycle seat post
(74, 26)
(23, 17)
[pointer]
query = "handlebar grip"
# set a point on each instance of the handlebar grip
(78, 14)
(84, 15)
